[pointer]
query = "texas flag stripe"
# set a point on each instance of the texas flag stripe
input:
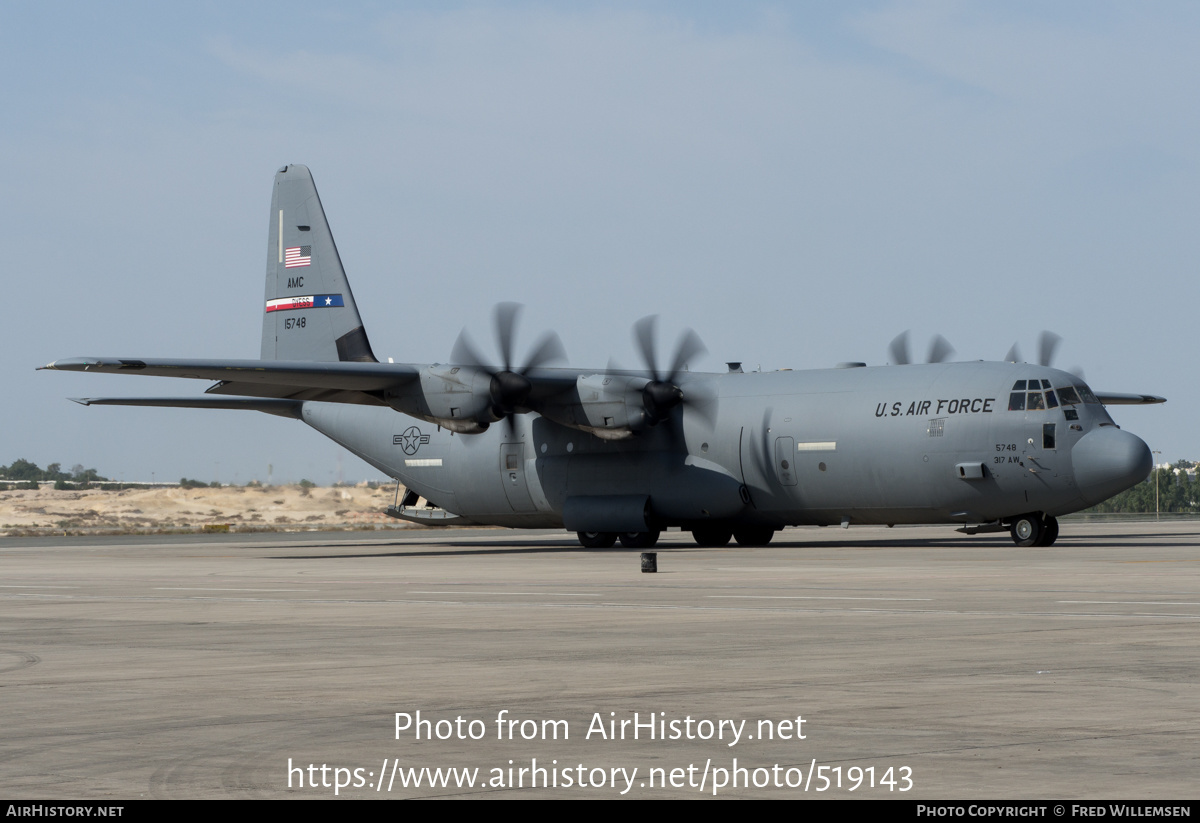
(312, 301)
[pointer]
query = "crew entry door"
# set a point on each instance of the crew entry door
(512, 477)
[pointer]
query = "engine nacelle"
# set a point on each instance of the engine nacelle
(457, 398)
(611, 407)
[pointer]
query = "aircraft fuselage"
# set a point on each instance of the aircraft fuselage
(892, 444)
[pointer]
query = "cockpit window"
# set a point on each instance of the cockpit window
(1037, 395)
(1087, 395)
(1069, 396)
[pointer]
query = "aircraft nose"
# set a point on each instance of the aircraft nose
(1108, 461)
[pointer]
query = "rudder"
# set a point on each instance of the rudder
(310, 312)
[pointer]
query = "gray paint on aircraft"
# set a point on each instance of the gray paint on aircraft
(740, 452)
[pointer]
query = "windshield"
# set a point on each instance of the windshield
(1036, 395)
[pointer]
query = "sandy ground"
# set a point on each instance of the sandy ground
(270, 508)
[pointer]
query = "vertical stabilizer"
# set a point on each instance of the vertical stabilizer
(310, 312)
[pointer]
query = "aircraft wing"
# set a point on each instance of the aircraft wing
(1118, 399)
(283, 408)
(258, 382)
(334, 382)
(352, 376)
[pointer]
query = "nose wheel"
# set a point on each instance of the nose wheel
(1034, 529)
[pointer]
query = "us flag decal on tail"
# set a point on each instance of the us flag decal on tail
(297, 256)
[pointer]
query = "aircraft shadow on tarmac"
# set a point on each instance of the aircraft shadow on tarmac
(531, 544)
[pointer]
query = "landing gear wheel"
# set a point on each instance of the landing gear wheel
(1028, 529)
(1050, 531)
(711, 536)
(596, 540)
(753, 535)
(639, 540)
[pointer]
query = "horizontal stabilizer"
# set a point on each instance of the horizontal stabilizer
(283, 408)
(365, 377)
(1117, 399)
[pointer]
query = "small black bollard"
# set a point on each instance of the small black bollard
(649, 562)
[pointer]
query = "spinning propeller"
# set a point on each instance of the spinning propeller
(662, 394)
(940, 350)
(509, 387)
(1048, 343)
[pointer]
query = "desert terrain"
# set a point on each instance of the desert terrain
(240, 508)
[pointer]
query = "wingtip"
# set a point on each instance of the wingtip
(83, 401)
(71, 364)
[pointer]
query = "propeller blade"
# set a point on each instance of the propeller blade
(690, 346)
(643, 335)
(898, 350)
(1047, 344)
(506, 326)
(701, 399)
(1014, 355)
(464, 352)
(549, 349)
(940, 350)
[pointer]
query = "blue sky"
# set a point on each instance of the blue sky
(798, 182)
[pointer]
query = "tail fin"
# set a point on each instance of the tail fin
(310, 312)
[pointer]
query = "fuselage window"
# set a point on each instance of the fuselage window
(1048, 435)
(1016, 400)
(1070, 414)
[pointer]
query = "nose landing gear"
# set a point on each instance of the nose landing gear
(1034, 529)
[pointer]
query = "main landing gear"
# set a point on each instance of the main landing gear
(1034, 529)
(639, 540)
(597, 540)
(630, 540)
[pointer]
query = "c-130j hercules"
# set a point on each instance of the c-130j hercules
(616, 453)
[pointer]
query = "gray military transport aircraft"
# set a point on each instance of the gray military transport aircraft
(614, 453)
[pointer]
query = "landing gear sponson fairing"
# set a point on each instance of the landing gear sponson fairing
(626, 453)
